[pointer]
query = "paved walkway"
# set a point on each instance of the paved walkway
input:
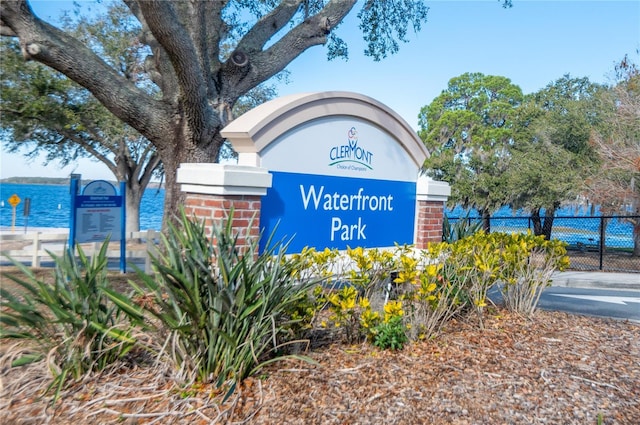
(598, 280)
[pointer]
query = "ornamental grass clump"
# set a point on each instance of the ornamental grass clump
(459, 229)
(220, 310)
(71, 321)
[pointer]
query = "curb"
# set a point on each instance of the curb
(597, 280)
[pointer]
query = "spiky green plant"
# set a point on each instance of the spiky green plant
(70, 321)
(220, 307)
(459, 229)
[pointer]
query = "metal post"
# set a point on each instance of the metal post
(123, 228)
(602, 242)
(75, 179)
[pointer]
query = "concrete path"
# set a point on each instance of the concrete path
(597, 280)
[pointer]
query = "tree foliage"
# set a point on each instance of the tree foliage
(468, 130)
(202, 57)
(616, 186)
(497, 147)
(44, 112)
(552, 155)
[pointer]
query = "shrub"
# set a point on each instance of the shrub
(221, 310)
(347, 307)
(432, 290)
(370, 269)
(390, 334)
(71, 321)
(529, 261)
(478, 259)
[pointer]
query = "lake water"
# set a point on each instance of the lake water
(50, 206)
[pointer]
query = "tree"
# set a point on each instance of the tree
(552, 155)
(616, 186)
(468, 131)
(198, 82)
(45, 112)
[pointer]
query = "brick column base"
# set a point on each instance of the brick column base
(242, 210)
(431, 197)
(429, 223)
(217, 193)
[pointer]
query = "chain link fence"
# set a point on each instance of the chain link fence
(603, 243)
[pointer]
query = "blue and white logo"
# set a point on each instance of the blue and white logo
(351, 156)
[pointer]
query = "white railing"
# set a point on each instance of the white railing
(34, 247)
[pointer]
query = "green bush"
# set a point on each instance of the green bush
(220, 309)
(390, 335)
(528, 263)
(71, 320)
(431, 288)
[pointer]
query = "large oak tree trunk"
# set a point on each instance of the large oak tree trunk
(180, 153)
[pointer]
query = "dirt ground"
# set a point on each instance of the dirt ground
(554, 369)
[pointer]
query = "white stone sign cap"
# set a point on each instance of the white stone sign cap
(428, 189)
(251, 133)
(223, 179)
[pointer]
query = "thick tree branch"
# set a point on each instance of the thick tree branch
(172, 35)
(207, 32)
(268, 26)
(157, 65)
(310, 32)
(56, 49)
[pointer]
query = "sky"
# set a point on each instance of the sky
(533, 43)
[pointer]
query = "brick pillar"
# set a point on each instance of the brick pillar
(213, 191)
(431, 197)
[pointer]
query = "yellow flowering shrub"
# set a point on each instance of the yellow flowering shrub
(345, 307)
(529, 261)
(392, 309)
(370, 269)
(432, 285)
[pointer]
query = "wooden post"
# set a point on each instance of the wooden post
(35, 261)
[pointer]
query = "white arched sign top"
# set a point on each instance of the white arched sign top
(344, 169)
(254, 134)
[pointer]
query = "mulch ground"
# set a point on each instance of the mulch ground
(554, 369)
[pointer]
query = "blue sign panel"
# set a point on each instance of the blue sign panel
(328, 211)
(98, 213)
(84, 201)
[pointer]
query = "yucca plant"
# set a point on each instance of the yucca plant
(220, 308)
(70, 321)
(459, 229)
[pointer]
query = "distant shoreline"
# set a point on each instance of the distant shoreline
(60, 181)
